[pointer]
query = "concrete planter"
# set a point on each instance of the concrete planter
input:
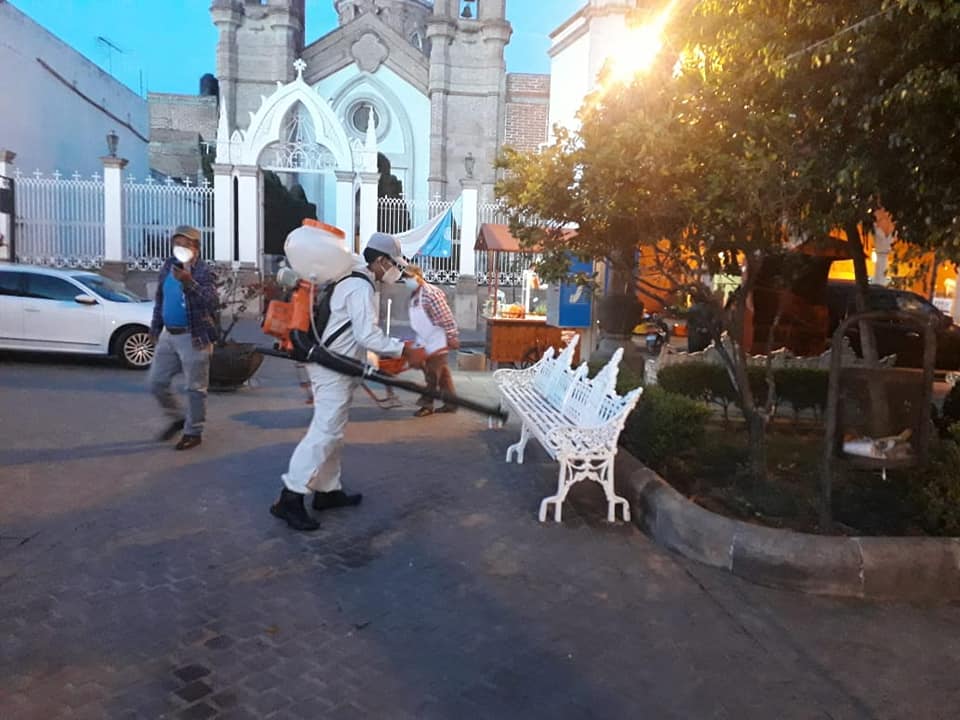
(878, 568)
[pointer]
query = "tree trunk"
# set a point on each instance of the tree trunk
(879, 407)
(757, 434)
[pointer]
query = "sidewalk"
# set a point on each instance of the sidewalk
(138, 582)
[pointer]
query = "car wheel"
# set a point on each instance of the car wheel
(134, 348)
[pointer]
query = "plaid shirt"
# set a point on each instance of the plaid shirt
(434, 302)
(202, 301)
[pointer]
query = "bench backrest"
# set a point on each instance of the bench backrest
(594, 401)
(555, 376)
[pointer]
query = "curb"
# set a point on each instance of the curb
(875, 568)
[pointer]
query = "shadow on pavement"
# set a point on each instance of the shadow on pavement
(31, 456)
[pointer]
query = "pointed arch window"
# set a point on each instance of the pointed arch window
(298, 148)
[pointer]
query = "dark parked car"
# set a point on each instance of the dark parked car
(895, 338)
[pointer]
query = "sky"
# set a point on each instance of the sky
(166, 45)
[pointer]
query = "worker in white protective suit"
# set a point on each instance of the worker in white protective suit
(351, 330)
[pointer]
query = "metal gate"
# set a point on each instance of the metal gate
(8, 226)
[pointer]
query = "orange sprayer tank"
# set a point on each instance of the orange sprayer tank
(284, 317)
(315, 251)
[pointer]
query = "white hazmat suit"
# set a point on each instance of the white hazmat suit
(315, 463)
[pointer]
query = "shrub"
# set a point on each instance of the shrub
(627, 378)
(951, 407)
(663, 425)
(938, 487)
(803, 388)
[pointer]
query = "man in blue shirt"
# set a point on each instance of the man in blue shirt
(183, 330)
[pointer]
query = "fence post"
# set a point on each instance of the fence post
(113, 209)
(248, 192)
(368, 205)
(466, 300)
(7, 220)
(345, 212)
(469, 227)
(223, 228)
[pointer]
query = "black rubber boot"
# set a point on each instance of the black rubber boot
(335, 499)
(290, 508)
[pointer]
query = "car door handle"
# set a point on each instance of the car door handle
(913, 334)
(30, 309)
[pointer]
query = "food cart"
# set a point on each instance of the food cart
(517, 332)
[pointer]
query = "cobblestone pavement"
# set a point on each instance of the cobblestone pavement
(140, 582)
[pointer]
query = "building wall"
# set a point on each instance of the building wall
(570, 78)
(64, 104)
(528, 106)
(467, 94)
(579, 48)
(178, 126)
(256, 49)
(404, 142)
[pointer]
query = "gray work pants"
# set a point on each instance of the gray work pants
(175, 354)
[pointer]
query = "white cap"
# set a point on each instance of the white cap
(388, 245)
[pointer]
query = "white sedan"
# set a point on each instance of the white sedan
(73, 311)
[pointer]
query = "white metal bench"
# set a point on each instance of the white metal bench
(576, 419)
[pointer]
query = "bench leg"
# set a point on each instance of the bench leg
(567, 477)
(572, 471)
(520, 446)
(613, 500)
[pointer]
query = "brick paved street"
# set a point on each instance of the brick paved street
(140, 582)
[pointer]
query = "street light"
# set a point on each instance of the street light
(469, 163)
(112, 141)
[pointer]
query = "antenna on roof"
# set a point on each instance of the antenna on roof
(111, 47)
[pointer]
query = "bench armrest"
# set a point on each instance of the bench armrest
(569, 440)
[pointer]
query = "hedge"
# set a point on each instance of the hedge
(801, 388)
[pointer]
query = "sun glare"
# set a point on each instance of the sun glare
(638, 48)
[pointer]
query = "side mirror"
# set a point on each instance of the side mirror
(84, 299)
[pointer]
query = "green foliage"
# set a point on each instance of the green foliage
(663, 425)
(780, 120)
(627, 379)
(802, 388)
(951, 406)
(938, 487)
(700, 381)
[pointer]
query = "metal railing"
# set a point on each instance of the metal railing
(492, 213)
(397, 215)
(59, 221)
(152, 210)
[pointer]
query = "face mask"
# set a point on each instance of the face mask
(392, 275)
(183, 254)
(411, 283)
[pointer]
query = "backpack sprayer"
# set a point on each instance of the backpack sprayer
(316, 251)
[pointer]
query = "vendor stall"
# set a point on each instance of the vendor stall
(517, 331)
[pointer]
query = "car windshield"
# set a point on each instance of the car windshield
(109, 289)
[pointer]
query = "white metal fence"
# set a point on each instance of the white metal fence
(397, 215)
(152, 210)
(492, 213)
(59, 220)
(509, 266)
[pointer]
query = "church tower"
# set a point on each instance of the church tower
(259, 40)
(467, 91)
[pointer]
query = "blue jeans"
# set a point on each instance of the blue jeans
(175, 354)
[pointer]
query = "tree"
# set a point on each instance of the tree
(694, 169)
(785, 122)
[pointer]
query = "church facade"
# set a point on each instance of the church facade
(427, 80)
